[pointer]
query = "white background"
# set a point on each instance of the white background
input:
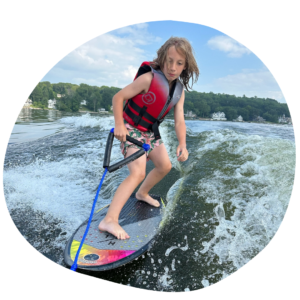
(35, 35)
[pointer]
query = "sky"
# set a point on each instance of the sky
(112, 59)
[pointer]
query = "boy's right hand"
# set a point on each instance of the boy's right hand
(120, 132)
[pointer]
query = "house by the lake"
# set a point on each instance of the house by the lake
(102, 110)
(51, 103)
(259, 120)
(238, 119)
(28, 102)
(190, 114)
(283, 119)
(218, 116)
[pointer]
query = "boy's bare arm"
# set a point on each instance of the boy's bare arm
(180, 129)
(179, 121)
(140, 85)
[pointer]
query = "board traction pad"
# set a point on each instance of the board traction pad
(103, 251)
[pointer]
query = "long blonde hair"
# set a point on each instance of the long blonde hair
(184, 47)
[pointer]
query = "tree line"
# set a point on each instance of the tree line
(202, 104)
(72, 95)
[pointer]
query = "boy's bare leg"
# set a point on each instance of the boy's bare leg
(137, 171)
(160, 158)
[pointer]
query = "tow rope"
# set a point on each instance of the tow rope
(107, 167)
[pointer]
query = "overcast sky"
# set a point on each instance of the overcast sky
(112, 59)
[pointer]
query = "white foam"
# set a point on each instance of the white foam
(205, 282)
(165, 279)
(186, 247)
(63, 189)
(104, 122)
(173, 265)
(257, 189)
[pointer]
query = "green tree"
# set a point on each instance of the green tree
(230, 112)
(244, 113)
(59, 88)
(203, 108)
(188, 106)
(270, 118)
(51, 94)
(96, 100)
(37, 94)
(83, 91)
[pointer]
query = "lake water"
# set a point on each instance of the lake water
(225, 203)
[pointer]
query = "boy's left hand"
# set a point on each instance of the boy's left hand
(184, 153)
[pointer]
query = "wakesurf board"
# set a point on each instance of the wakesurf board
(102, 251)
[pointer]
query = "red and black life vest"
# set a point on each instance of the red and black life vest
(146, 111)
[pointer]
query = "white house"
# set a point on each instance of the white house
(51, 103)
(219, 116)
(102, 110)
(83, 102)
(239, 119)
(28, 102)
(190, 114)
(259, 119)
(283, 119)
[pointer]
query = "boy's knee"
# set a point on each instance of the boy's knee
(139, 175)
(166, 167)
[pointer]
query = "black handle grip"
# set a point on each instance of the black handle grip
(134, 141)
(108, 148)
(125, 161)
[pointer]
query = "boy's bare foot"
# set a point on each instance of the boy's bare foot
(147, 198)
(114, 228)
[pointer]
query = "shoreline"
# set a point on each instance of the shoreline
(187, 119)
(80, 111)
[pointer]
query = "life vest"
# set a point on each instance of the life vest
(146, 111)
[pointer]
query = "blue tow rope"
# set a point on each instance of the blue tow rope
(146, 147)
(74, 266)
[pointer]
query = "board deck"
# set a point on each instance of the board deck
(102, 251)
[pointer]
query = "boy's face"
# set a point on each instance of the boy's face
(174, 64)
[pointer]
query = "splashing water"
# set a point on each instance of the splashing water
(224, 204)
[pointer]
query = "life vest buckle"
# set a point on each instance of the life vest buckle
(136, 119)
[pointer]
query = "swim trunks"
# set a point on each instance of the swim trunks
(146, 137)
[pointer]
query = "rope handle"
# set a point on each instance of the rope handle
(125, 161)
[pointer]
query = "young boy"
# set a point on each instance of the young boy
(155, 90)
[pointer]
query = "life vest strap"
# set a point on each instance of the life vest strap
(142, 111)
(137, 119)
(156, 130)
